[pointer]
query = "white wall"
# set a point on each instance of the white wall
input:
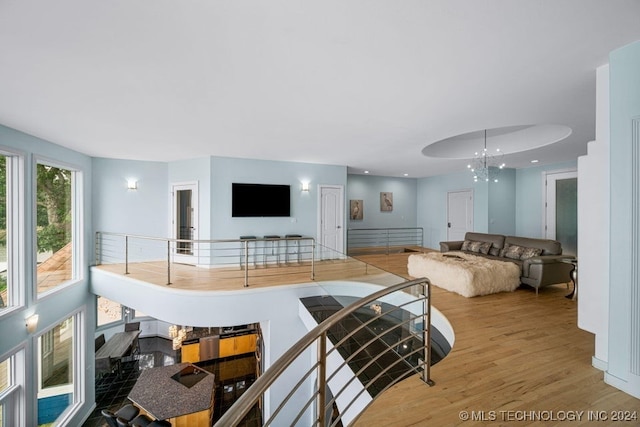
(593, 228)
(623, 369)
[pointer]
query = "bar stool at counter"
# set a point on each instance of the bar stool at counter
(272, 243)
(122, 415)
(144, 421)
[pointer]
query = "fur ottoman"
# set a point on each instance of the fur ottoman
(464, 274)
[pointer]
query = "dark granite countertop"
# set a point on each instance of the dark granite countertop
(163, 397)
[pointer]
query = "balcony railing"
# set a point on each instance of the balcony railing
(386, 240)
(247, 260)
(332, 392)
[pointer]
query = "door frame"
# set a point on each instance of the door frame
(547, 191)
(195, 204)
(341, 210)
(463, 190)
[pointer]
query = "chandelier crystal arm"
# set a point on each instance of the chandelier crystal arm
(486, 166)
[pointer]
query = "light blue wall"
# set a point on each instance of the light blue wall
(432, 204)
(512, 206)
(60, 305)
(143, 211)
(368, 188)
(502, 204)
(624, 324)
(530, 198)
(304, 205)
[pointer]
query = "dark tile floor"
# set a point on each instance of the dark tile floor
(233, 376)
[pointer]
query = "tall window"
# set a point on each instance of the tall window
(55, 223)
(11, 237)
(56, 391)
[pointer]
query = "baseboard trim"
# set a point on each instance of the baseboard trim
(599, 364)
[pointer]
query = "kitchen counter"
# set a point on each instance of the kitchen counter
(164, 397)
(197, 333)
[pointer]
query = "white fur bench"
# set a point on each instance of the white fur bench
(464, 274)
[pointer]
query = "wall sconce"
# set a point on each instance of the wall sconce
(132, 184)
(305, 185)
(32, 323)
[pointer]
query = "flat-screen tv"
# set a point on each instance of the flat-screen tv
(260, 200)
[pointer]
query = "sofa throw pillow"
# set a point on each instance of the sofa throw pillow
(485, 247)
(475, 247)
(503, 250)
(465, 245)
(513, 252)
(494, 251)
(530, 252)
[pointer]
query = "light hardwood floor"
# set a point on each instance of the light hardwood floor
(514, 353)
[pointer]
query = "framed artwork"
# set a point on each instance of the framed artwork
(356, 210)
(386, 201)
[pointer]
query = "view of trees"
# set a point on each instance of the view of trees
(53, 219)
(53, 208)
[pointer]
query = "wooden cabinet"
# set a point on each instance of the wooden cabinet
(240, 344)
(191, 353)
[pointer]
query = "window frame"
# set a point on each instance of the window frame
(13, 399)
(15, 199)
(78, 364)
(77, 225)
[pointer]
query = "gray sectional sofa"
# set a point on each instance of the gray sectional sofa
(541, 260)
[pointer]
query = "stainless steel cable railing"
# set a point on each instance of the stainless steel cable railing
(386, 239)
(243, 254)
(332, 381)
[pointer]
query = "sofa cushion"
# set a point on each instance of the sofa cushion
(549, 247)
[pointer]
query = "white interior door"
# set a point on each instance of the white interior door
(184, 221)
(561, 209)
(459, 214)
(331, 215)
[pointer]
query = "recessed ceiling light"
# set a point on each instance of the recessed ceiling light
(534, 161)
(406, 174)
(366, 171)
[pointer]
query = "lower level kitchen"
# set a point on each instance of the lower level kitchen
(232, 355)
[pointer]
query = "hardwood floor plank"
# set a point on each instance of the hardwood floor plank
(514, 351)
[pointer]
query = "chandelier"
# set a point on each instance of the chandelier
(486, 166)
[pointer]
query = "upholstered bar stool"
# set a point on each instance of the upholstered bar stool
(293, 242)
(271, 248)
(248, 240)
(123, 416)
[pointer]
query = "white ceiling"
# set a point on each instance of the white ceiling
(362, 83)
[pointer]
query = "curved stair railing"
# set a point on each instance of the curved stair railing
(323, 394)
